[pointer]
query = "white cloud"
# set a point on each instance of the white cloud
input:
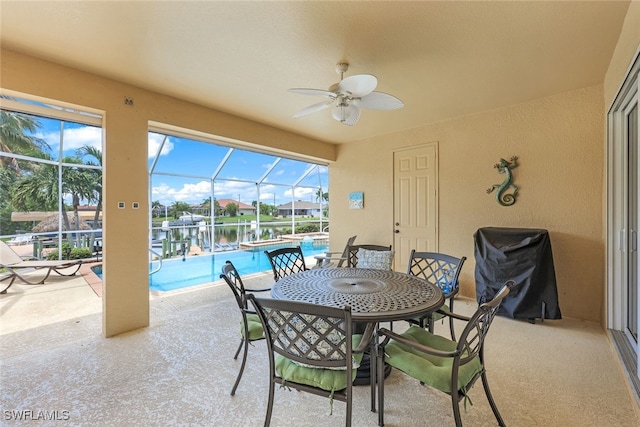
(303, 193)
(189, 193)
(77, 137)
(155, 139)
(197, 192)
(74, 138)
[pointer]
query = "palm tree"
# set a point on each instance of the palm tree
(95, 159)
(14, 140)
(206, 206)
(38, 190)
(320, 196)
(178, 207)
(155, 205)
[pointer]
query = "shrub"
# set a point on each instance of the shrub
(307, 228)
(303, 228)
(74, 253)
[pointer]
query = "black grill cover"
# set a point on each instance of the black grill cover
(523, 255)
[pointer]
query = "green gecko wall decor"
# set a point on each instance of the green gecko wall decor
(503, 198)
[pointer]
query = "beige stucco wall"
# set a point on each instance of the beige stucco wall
(126, 232)
(559, 143)
(627, 46)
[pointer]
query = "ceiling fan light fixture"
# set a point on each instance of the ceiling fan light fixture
(341, 112)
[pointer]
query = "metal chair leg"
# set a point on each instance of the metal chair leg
(238, 351)
(453, 334)
(494, 407)
(267, 420)
(455, 400)
(380, 367)
(244, 362)
(373, 368)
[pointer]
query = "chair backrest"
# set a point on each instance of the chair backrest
(471, 341)
(7, 255)
(308, 334)
(345, 252)
(286, 261)
(353, 250)
(439, 269)
(232, 277)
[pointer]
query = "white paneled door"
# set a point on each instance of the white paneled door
(415, 202)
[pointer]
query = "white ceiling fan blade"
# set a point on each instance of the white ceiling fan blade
(380, 101)
(346, 114)
(358, 85)
(313, 108)
(313, 92)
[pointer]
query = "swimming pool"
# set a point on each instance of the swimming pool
(200, 269)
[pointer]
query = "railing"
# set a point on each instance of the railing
(159, 258)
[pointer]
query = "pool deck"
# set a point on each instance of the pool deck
(66, 299)
(94, 282)
(318, 238)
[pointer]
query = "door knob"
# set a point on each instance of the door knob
(397, 231)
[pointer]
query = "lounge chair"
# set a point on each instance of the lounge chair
(329, 259)
(22, 239)
(12, 262)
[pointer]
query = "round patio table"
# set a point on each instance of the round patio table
(373, 295)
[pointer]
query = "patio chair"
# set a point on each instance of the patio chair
(13, 263)
(286, 261)
(329, 259)
(370, 256)
(442, 270)
(446, 365)
(311, 348)
(251, 328)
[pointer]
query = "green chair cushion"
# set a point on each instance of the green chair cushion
(436, 315)
(255, 327)
(429, 369)
(326, 379)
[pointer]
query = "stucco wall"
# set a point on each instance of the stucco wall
(627, 46)
(559, 143)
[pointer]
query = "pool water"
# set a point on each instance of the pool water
(200, 269)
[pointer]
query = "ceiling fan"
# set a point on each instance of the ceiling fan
(348, 96)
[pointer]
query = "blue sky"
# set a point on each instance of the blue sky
(198, 161)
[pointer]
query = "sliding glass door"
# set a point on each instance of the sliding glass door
(631, 136)
(623, 221)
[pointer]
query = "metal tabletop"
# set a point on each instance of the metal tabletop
(373, 295)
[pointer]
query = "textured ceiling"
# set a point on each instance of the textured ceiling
(443, 59)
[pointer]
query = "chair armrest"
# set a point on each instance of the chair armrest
(454, 315)
(327, 256)
(452, 294)
(257, 290)
(412, 344)
(332, 253)
(367, 337)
